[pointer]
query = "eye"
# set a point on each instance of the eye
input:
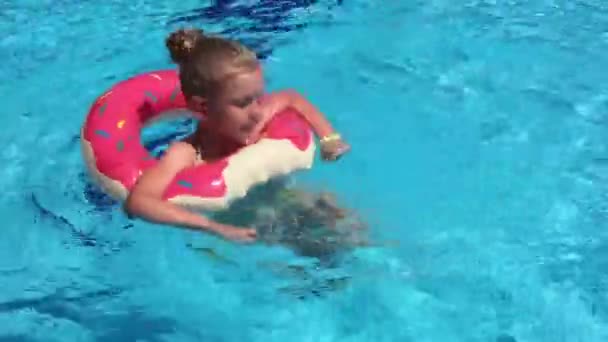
(242, 103)
(248, 100)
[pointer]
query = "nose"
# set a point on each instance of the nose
(255, 113)
(255, 116)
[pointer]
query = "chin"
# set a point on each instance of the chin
(243, 140)
(253, 138)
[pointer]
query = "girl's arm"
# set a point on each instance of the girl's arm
(145, 199)
(332, 145)
(291, 98)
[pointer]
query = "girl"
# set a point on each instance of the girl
(223, 79)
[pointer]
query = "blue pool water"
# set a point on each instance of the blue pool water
(479, 148)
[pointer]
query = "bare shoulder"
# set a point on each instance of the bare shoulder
(279, 97)
(153, 181)
(178, 156)
(277, 101)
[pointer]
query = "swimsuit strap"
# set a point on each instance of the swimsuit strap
(197, 149)
(199, 152)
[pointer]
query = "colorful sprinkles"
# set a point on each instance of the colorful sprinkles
(185, 184)
(174, 93)
(102, 133)
(102, 109)
(114, 133)
(151, 96)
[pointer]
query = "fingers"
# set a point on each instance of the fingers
(334, 153)
(240, 234)
(342, 150)
(249, 235)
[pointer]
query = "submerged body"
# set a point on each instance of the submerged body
(311, 224)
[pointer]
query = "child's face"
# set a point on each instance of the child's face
(236, 110)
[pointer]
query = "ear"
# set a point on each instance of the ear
(198, 104)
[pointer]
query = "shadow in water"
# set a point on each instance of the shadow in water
(101, 202)
(82, 238)
(16, 338)
(132, 325)
(263, 19)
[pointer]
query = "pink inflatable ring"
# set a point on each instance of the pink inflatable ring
(115, 156)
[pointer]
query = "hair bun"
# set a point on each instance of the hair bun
(181, 43)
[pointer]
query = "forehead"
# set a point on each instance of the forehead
(244, 83)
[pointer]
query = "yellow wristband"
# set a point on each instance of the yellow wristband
(330, 137)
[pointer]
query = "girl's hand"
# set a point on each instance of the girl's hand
(237, 234)
(333, 149)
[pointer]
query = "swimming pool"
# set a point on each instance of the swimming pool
(478, 134)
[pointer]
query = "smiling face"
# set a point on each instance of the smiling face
(235, 110)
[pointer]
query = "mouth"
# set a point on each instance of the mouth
(248, 132)
(252, 138)
(250, 126)
(252, 130)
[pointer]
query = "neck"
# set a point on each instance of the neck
(213, 144)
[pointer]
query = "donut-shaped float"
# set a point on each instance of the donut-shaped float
(115, 156)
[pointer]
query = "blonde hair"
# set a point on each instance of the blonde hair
(207, 61)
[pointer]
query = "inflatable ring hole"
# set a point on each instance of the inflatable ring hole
(156, 136)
